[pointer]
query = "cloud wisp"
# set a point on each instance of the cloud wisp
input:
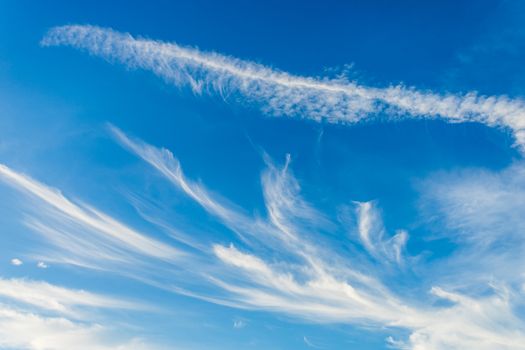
(58, 299)
(481, 212)
(20, 329)
(372, 232)
(37, 315)
(96, 236)
(281, 263)
(312, 281)
(281, 93)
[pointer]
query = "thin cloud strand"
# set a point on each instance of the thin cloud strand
(281, 93)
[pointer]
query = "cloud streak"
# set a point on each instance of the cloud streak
(109, 232)
(281, 93)
(292, 270)
(58, 299)
(480, 212)
(281, 263)
(36, 315)
(300, 279)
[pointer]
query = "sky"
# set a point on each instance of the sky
(262, 175)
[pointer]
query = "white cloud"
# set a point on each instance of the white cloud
(480, 214)
(306, 278)
(238, 324)
(478, 206)
(107, 235)
(37, 315)
(484, 322)
(372, 234)
(163, 161)
(27, 330)
(42, 265)
(58, 299)
(232, 216)
(309, 343)
(293, 270)
(280, 93)
(16, 262)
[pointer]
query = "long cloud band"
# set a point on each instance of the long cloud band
(280, 93)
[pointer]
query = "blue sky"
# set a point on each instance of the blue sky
(205, 175)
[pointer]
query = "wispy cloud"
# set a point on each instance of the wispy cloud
(27, 330)
(309, 343)
(164, 161)
(231, 215)
(481, 322)
(372, 234)
(37, 315)
(479, 206)
(106, 238)
(304, 278)
(281, 93)
(293, 269)
(238, 324)
(481, 213)
(58, 299)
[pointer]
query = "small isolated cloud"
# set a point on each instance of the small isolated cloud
(238, 324)
(309, 343)
(16, 262)
(42, 265)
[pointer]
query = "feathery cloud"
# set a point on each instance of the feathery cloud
(36, 315)
(281, 93)
(480, 212)
(304, 280)
(110, 232)
(372, 232)
(58, 299)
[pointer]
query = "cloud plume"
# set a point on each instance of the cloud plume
(281, 93)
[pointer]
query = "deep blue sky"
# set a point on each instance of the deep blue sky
(56, 103)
